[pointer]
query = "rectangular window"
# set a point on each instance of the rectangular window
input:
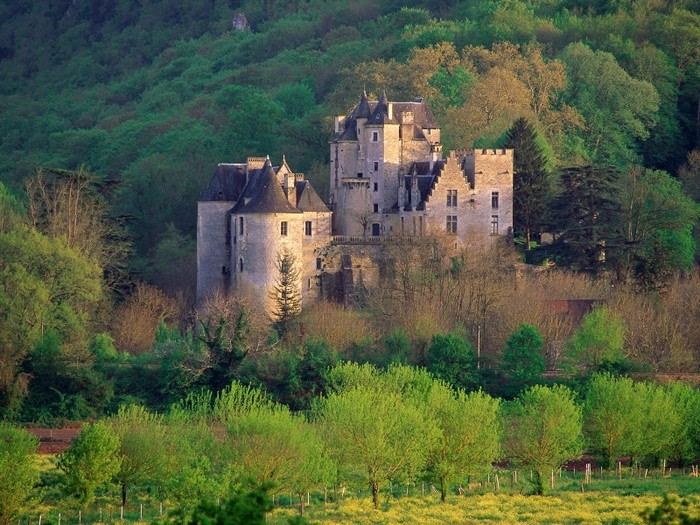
(494, 224)
(376, 208)
(376, 186)
(240, 225)
(451, 198)
(319, 263)
(452, 224)
(376, 166)
(307, 227)
(283, 228)
(375, 136)
(494, 199)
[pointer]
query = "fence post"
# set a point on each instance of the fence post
(59, 518)
(141, 513)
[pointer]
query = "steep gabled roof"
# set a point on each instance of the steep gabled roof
(265, 194)
(226, 183)
(307, 198)
(381, 112)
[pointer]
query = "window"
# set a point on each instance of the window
(283, 228)
(240, 225)
(376, 166)
(240, 264)
(307, 227)
(359, 175)
(494, 199)
(375, 229)
(452, 224)
(451, 198)
(319, 263)
(224, 270)
(375, 136)
(376, 208)
(494, 224)
(376, 186)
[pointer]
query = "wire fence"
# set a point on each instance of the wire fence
(506, 481)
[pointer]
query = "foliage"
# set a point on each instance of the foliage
(671, 511)
(286, 293)
(542, 431)
(451, 358)
(469, 433)
(91, 461)
(531, 185)
(598, 341)
(18, 471)
(523, 361)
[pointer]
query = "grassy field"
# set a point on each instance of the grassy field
(592, 508)
(615, 496)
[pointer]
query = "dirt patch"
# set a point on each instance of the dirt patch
(54, 440)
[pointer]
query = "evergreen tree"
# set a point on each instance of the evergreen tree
(587, 212)
(531, 182)
(286, 292)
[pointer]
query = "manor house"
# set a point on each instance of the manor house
(388, 183)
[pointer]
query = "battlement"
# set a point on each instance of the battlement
(255, 163)
(489, 152)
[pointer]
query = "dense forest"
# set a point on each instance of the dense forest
(113, 115)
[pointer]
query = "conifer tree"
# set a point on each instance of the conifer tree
(286, 293)
(531, 182)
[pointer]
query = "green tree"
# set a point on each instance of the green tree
(91, 461)
(656, 441)
(612, 413)
(543, 430)
(585, 216)
(286, 293)
(469, 431)
(274, 446)
(531, 185)
(141, 453)
(598, 341)
(18, 471)
(375, 431)
(523, 362)
(659, 218)
(615, 123)
(451, 358)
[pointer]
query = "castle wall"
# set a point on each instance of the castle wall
(213, 253)
(312, 249)
(258, 248)
(354, 215)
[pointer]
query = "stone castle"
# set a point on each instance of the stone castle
(388, 184)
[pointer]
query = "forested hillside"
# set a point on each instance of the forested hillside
(114, 114)
(154, 95)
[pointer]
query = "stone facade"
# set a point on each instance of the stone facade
(388, 185)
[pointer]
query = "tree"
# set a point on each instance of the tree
(18, 471)
(91, 461)
(141, 437)
(531, 185)
(598, 341)
(656, 441)
(372, 430)
(659, 219)
(469, 432)
(585, 216)
(274, 446)
(523, 362)
(543, 430)
(615, 123)
(286, 292)
(612, 411)
(451, 358)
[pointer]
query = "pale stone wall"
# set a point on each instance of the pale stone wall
(259, 247)
(212, 249)
(311, 249)
(354, 207)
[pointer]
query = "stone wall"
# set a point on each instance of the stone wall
(213, 253)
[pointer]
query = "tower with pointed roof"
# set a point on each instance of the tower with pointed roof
(388, 178)
(251, 213)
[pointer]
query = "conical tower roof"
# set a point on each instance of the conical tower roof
(265, 194)
(381, 112)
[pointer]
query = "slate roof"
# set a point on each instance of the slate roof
(265, 194)
(307, 198)
(377, 112)
(226, 183)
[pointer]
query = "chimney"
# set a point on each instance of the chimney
(390, 110)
